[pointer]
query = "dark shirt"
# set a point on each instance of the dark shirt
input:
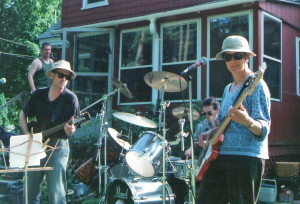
(52, 113)
(40, 78)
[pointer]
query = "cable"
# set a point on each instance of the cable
(16, 55)
(13, 42)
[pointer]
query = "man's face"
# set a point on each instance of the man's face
(46, 51)
(210, 113)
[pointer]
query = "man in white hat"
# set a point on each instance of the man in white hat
(52, 106)
(235, 176)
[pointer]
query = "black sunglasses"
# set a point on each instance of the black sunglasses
(238, 55)
(208, 113)
(61, 75)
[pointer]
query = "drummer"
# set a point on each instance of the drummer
(210, 107)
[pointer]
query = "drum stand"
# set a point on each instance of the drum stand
(163, 112)
(103, 134)
(192, 142)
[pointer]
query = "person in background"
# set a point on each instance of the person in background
(210, 107)
(52, 106)
(37, 77)
(235, 176)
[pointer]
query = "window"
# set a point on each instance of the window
(91, 65)
(272, 54)
(298, 65)
(181, 48)
(220, 27)
(135, 63)
(86, 4)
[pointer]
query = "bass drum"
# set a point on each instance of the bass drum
(141, 190)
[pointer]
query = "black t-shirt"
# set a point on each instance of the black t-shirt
(52, 113)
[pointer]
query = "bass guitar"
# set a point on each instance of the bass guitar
(211, 151)
(77, 121)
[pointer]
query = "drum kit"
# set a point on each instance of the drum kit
(145, 172)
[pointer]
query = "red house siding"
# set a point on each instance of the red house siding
(118, 9)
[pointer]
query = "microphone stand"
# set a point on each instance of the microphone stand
(192, 141)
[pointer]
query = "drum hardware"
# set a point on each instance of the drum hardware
(103, 130)
(183, 113)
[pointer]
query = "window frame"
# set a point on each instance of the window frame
(133, 67)
(263, 14)
(298, 65)
(86, 5)
(209, 58)
(198, 22)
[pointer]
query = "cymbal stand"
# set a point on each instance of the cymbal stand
(103, 134)
(163, 113)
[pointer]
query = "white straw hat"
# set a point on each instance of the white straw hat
(235, 43)
(61, 64)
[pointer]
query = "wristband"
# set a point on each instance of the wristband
(252, 125)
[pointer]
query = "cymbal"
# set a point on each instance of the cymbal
(165, 81)
(179, 113)
(134, 119)
(124, 90)
(115, 135)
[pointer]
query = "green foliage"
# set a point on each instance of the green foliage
(21, 23)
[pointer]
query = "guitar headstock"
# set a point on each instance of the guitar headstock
(82, 119)
(254, 79)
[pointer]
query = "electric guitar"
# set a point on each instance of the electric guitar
(77, 121)
(211, 152)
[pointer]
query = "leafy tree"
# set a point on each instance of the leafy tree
(21, 22)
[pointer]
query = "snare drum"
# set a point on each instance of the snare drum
(145, 156)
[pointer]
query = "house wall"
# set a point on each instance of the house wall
(285, 128)
(118, 9)
(285, 114)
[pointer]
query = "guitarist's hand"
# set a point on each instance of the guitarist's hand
(203, 138)
(240, 115)
(70, 128)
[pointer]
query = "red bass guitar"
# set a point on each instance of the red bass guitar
(211, 152)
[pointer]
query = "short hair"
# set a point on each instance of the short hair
(45, 44)
(211, 101)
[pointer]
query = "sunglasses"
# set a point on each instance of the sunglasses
(208, 113)
(238, 55)
(61, 75)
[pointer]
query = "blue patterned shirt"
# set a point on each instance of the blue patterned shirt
(238, 139)
(202, 127)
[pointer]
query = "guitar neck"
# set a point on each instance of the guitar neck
(55, 129)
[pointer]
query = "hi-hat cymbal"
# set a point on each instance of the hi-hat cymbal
(135, 119)
(166, 81)
(180, 112)
(124, 90)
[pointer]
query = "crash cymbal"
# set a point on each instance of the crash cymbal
(179, 113)
(135, 119)
(165, 81)
(117, 137)
(125, 91)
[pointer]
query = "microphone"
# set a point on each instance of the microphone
(202, 61)
(2, 81)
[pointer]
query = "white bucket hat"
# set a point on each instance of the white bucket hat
(61, 64)
(235, 43)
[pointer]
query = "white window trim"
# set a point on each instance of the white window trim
(198, 21)
(263, 14)
(297, 65)
(85, 4)
(250, 13)
(134, 67)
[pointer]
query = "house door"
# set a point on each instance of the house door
(93, 64)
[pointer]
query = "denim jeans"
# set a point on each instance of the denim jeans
(55, 179)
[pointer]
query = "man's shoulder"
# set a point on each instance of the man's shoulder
(37, 62)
